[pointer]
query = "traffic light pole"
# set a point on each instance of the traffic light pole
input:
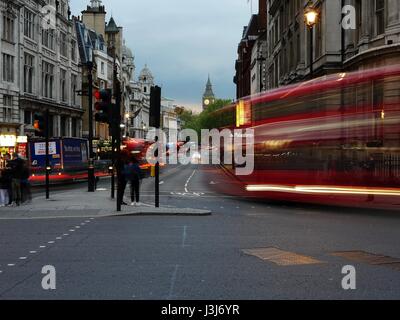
(155, 115)
(91, 175)
(47, 138)
(117, 132)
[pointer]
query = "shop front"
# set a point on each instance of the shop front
(10, 144)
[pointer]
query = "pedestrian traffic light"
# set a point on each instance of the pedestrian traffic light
(104, 107)
(39, 125)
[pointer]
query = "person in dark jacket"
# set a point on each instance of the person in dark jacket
(26, 194)
(4, 195)
(133, 174)
(7, 176)
(16, 166)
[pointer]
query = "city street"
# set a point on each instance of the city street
(246, 249)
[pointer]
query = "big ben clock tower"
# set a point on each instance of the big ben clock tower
(208, 96)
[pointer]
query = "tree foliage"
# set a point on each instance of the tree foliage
(206, 119)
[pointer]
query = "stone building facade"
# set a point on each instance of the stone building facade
(39, 68)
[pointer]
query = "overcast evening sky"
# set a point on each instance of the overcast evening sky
(182, 41)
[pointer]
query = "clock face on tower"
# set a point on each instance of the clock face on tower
(206, 102)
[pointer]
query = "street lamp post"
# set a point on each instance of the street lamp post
(91, 173)
(310, 17)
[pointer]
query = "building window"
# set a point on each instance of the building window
(74, 85)
(28, 73)
(48, 38)
(8, 27)
(102, 68)
(63, 44)
(27, 117)
(7, 108)
(74, 127)
(47, 80)
(29, 24)
(63, 82)
(73, 50)
(380, 16)
(63, 126)
(8, 68)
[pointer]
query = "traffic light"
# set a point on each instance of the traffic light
(155, 106)
(39, 125)
(104, 107)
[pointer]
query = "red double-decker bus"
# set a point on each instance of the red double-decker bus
(333, 140)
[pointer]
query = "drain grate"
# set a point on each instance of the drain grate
(369, 258)
(280, 257)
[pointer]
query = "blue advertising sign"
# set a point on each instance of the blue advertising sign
(38, 154)
(74, 151)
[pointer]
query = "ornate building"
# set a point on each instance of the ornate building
(138, 124)
(208, 96)
(40, 67)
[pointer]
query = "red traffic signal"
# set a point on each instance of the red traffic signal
(103, 107)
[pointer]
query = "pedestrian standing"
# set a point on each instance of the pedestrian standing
(133, 174)
(26, 193)
(121, 181)
(16, 166)
(4, 196)
(7, 174)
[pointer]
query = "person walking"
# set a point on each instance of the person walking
(133, 174)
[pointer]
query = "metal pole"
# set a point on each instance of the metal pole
(311, 52)
(91, 184)
(113, 127)
(117, 121)
(47, 134)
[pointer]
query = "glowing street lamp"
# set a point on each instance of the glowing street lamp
(311, 19)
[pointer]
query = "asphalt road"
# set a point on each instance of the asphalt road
(202, 257)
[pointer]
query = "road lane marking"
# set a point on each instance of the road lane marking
(11, 265)
(22, 258)
(59, 238)
(172, 284)
(50, 242)
(184, 235)
(42, 247)
(32, 252)
(188, 181)
(280, 257)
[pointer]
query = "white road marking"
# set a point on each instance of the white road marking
(161, 182)
(71, 230)
(50, 242)
(184, 235)
(188, 181)
(59, 238)
(22, 258)
(77, 227)
(11, 265)
(87, 221)
(42, 247)
(65, 234)
(173, 280)
(32, 252)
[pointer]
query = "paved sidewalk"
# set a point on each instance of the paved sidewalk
(79, 203)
